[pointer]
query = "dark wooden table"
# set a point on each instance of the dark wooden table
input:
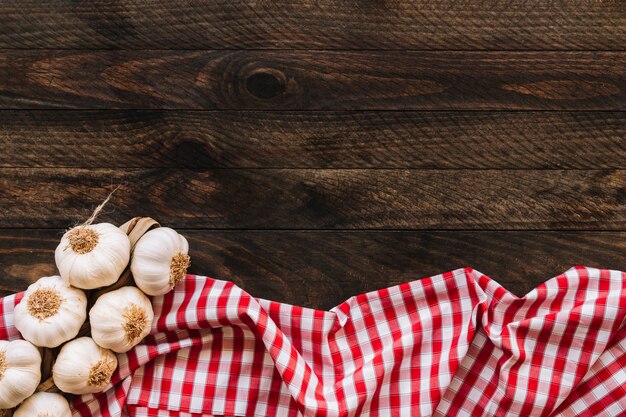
(311, 151)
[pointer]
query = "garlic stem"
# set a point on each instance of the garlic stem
(100, 373)
(136, 321)
(178, 267)
(44, 303)
(3, 364)
(83, 239)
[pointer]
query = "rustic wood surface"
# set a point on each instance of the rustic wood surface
(322, 198)
(274, 139)
(270, 24)
(313, 80)
(311, 151)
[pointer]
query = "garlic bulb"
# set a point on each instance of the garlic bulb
(120, 319)
(51, 312)
(20, 373)
(159, 260)
(83, 367)
(92, 256)
(44, 404)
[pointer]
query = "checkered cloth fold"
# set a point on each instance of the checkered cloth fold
(455, 344)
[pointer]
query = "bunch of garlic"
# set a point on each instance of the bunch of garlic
(44, 404)
(51, 312)
(20, 372)
(93, 256)
(159, 260)
(120, 319)
(83, 367)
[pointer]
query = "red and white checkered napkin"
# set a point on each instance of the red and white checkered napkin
(456, 344)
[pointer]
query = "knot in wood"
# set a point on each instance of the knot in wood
(265, 84)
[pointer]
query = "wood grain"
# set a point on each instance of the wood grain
(321, 198)
(363, 139)
(313, 80)
(485, 134)
(395, 24)
(321, 269)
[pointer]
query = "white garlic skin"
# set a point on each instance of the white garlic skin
(109, 316)
(44, 404)
(152, 258)
(21, 374)
(58, 328)
(72, 367)
(100, 267)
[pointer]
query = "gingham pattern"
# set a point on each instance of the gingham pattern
(455, 344)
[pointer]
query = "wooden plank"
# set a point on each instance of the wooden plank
(419, 24)
(313, 80)
(321, 198)
(321, 269)
(379, 139)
